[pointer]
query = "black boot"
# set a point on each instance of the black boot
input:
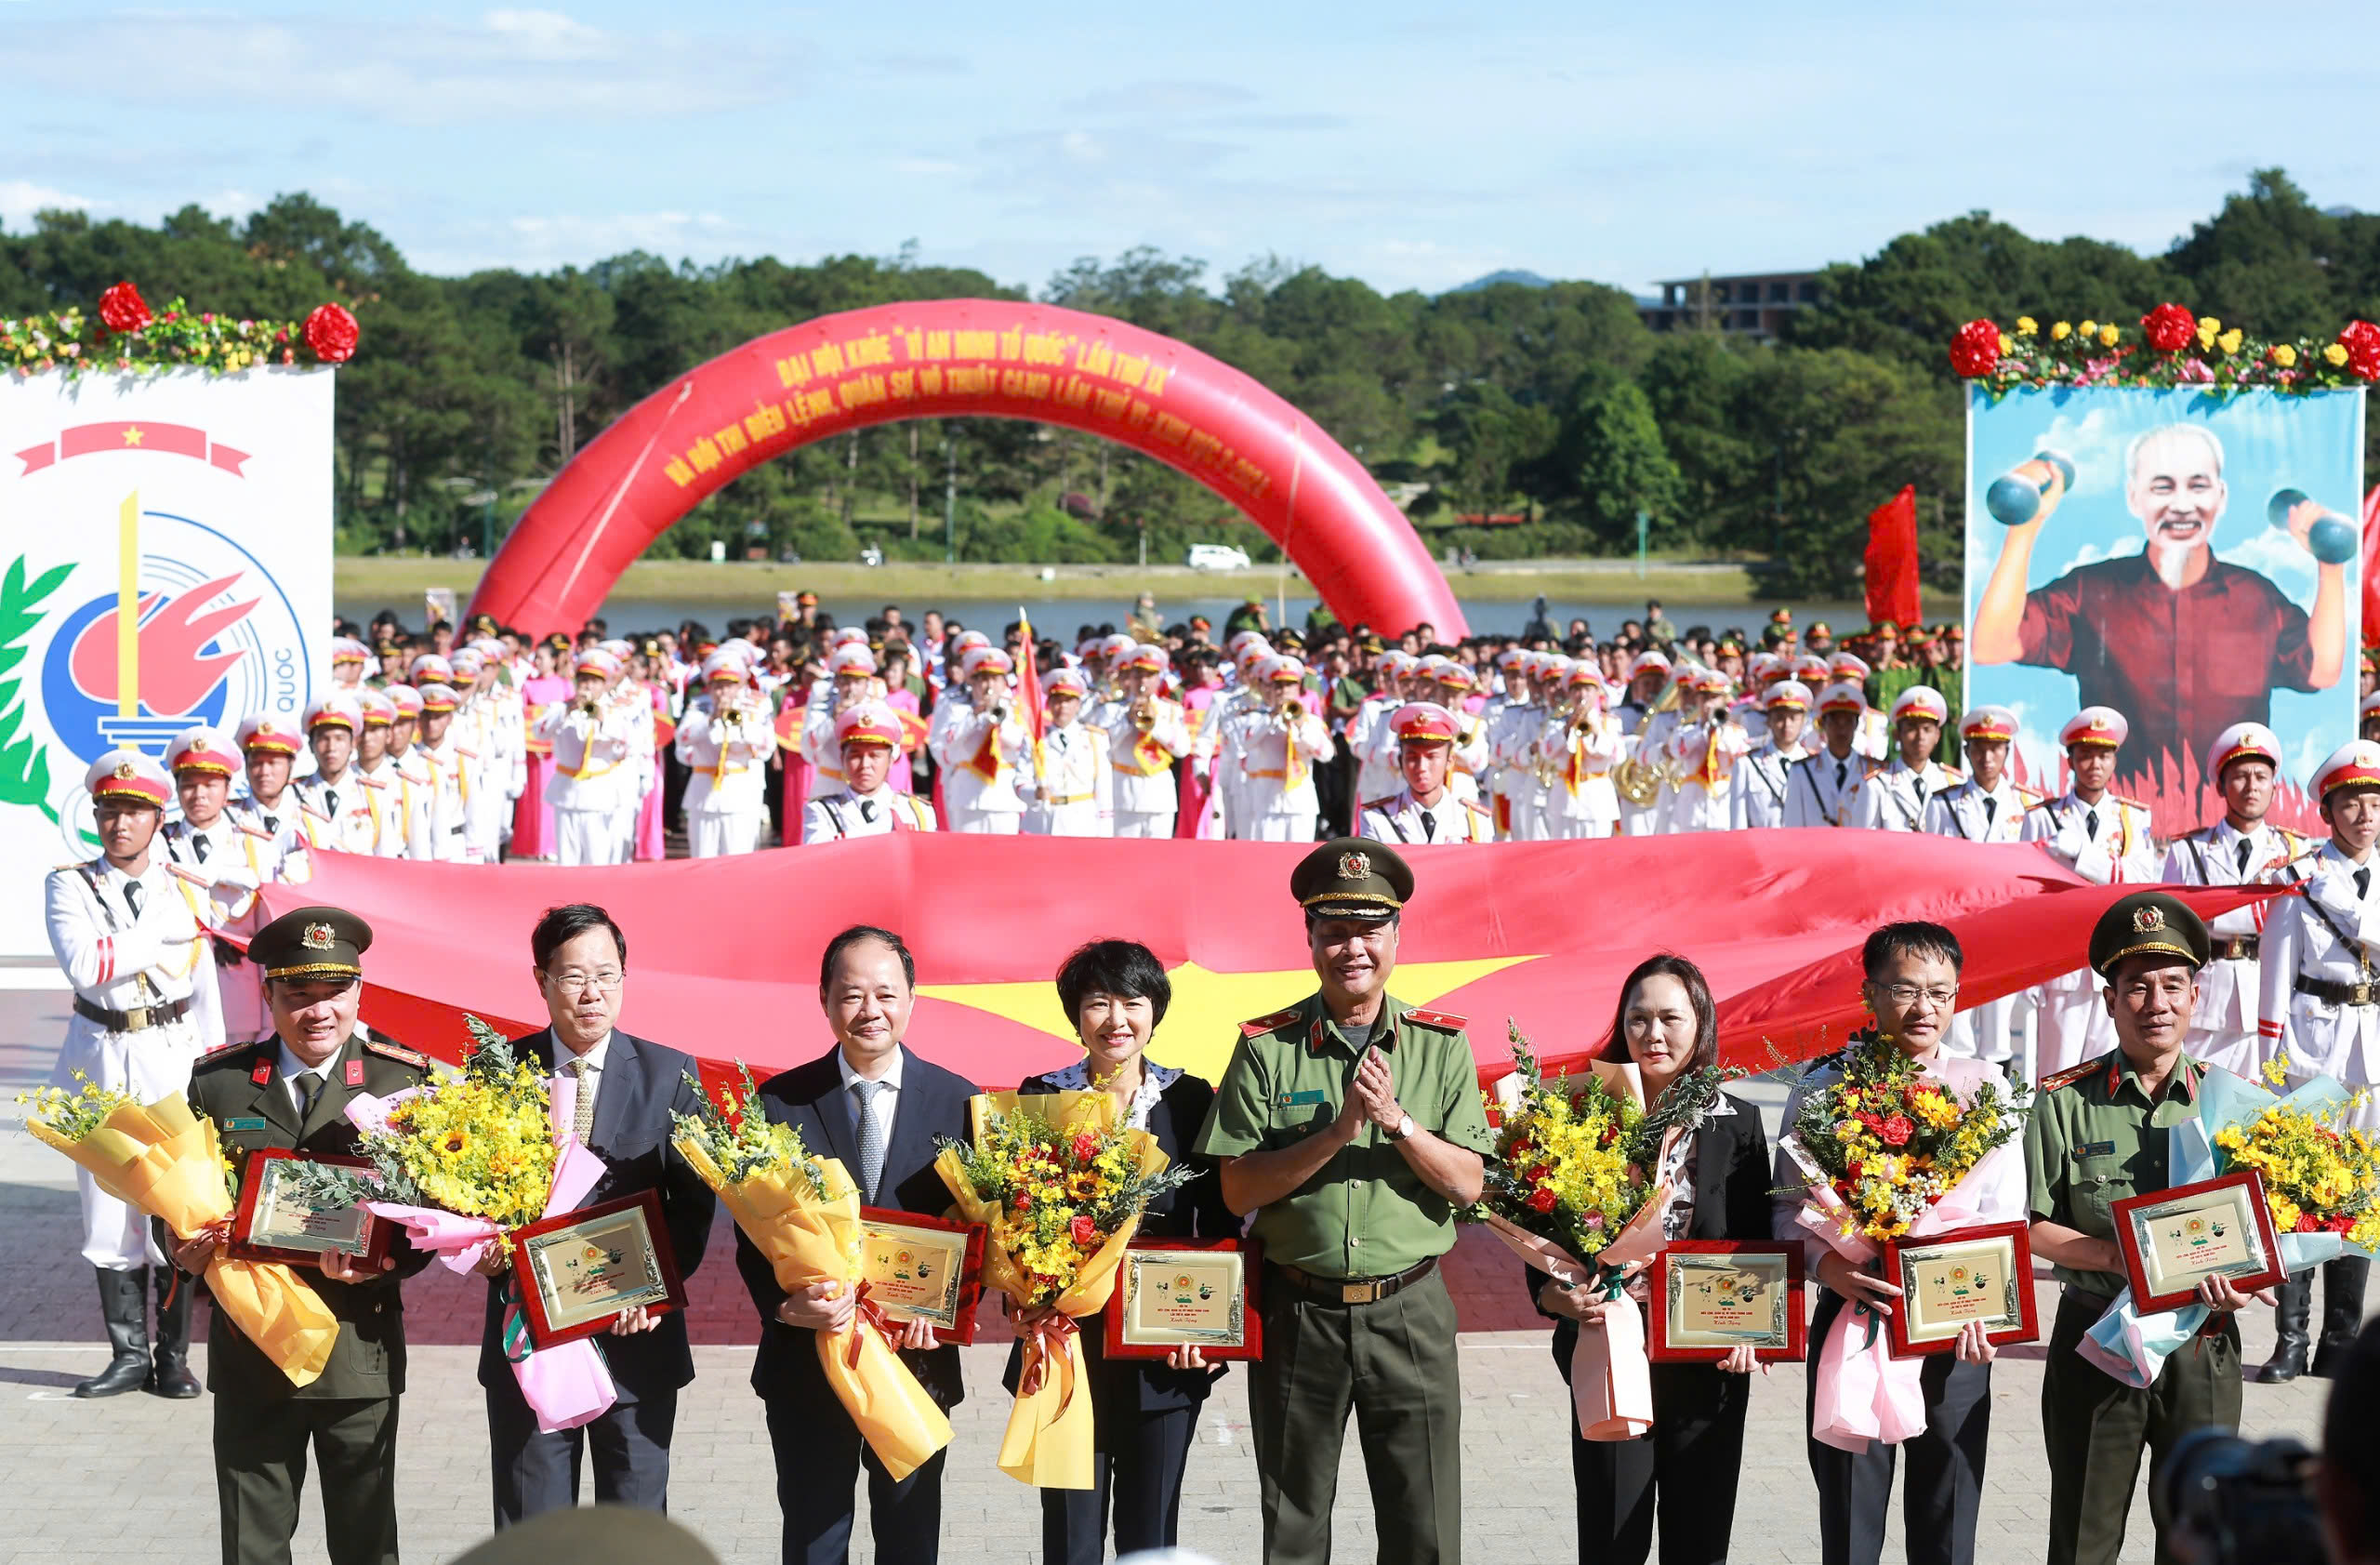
(169, 1374)
(124, 1306)
(2342, 1312)
(2292, 1309)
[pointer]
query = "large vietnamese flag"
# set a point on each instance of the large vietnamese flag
(723, 952)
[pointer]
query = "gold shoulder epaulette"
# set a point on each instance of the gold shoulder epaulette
(1258, 1027)
(2071, 1075)
(398, 1052)
(1445, 1021)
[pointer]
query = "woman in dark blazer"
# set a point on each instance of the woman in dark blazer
(1144, 1410)
(1687, 1465)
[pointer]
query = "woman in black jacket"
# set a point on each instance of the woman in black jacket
(1144, 1410)
(1687, 1465)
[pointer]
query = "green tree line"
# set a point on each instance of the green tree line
(1555, 403)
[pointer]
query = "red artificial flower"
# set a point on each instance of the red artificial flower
(123, 309)
(1086, 1147)
(1538, 1175)
(1898, 1130)
(1851, 1171)
(1610, 1134)
(2170, 327)
(1085, 1231)
(1023, 1201)
(1541, 1198)
(2362, 340)
(330, 332)
(2340, 1223)
(1975, 350)
(2307, 1224)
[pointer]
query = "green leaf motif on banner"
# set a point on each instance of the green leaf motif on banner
(24, 762)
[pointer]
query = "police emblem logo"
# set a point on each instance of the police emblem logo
(2148, 918)
(1354, 866)
(124, 770)
(317, 937)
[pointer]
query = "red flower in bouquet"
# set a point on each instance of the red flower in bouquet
(1898, 1130)
(331, 332)
(2362, 340)
(122, 308)
(1085, 1231)
(1975, 350)
(2170, 328)
(1542, 1199)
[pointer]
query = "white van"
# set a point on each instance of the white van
(1217, 557)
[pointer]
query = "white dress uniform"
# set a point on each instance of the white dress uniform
(1514, 740)
(1071, 794)
(408, 787)
(1650, 748)
(1893, 797)
(1403, 819)
(845, 813)
(724, 743)
(591, 754)
(978, 755)
(1470, 758)
(346, 815)
(1278, 757)
(1580, 801)
(2224, 1029)
(1823, 788)
(222, 867)
(2318, 983)
(451, 784)
(1376, 774)
(1757, 789)
(1972, 812)
(1143, 794)
(2106, 844)
(1703, 757)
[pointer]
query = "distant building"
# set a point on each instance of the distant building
(1753, 305)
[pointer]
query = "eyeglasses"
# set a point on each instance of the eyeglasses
(571, 981)
(1906, 995)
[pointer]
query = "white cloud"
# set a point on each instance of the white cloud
(2274, 556)
(19, 199)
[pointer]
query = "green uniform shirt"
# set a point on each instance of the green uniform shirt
(1366, 1214)
(2095, 1138)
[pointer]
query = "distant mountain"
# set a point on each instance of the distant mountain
(1498, 279)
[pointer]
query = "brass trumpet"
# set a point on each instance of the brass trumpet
(1144, 715)
(1294, 710)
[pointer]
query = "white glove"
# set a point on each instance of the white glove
(2069, 841)
(237, 880)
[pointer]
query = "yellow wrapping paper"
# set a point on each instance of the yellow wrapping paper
(166, 1161)
(1048, 1442)
(809, 1240)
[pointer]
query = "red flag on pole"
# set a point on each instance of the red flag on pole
(1028, 679)
(2371, 560)
(1892, 559)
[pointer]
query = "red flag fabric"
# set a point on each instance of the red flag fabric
(722, 951)
(1892, 559)
(1028, 680)
(2372, 563)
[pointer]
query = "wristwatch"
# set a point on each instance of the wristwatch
(1404, 1128)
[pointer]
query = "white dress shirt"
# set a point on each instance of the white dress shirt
(293, 1070)
(590, 1070)
(886, 1102)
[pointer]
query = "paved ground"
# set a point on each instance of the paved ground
(137, 1468)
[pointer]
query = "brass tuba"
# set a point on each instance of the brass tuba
(1636, 782)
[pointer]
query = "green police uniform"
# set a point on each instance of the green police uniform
(263, 1424)
(2096, 1137)
(1356, 1316)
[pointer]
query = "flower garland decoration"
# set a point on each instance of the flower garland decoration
(1891, 1140)
(124, 335)
(2172, 347)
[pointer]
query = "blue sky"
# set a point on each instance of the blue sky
(1411, 145)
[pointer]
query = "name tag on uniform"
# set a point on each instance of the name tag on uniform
(2095, 1150)
(1300, 1100)
(256, 1124)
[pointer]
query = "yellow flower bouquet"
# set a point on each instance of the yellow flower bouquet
(1060, 1187)
(169, 1161)
(2321, 1177)
(802, 1214)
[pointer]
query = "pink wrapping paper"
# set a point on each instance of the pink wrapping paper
(1864, 1393)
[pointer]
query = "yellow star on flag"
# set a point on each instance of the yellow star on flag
(1202, 1024)
(132, 433)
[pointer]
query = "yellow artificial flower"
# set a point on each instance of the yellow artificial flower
(2027, 325)
(2060, 332)
(2090, 328)
(2333, 354)
(2108, 336)
(2285, 356)
(2007, 343)
(2205, 337)
(2209, 325)
(2229, 340)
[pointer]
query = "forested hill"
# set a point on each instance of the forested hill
(1553, 402)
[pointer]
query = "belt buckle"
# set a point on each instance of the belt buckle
(1358, 1293)
(2360, 993)
(138, 1020)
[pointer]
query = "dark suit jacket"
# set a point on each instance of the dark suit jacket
(642, 1084)
(1731, 1190)
(811, 1098)
(369, 1357)
(1195, 1211)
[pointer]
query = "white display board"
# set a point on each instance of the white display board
(164, 560)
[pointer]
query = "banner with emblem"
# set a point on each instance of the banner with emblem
(2187, 556)
(168, 562)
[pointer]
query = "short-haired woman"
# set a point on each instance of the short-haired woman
(1144, 1411)
(1686, 1467)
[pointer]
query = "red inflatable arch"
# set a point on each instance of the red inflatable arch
(975, 358)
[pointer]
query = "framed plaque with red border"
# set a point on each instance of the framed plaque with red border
(1984, 1273)
(274, 1222)
(580, 1271)
(1711, 1297)
(2174, 1238)
(923, 1268)
(1187, 1292)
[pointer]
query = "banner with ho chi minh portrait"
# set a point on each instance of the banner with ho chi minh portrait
(166, 562)
(2182, 553)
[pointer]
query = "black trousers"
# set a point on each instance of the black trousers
(1136, 1473)
(260, 1476)
(535, 1473)
(819, 1456)
(1686, 1467)
(1943, 1489)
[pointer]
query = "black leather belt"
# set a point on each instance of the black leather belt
(2363, 992)
(2238, 947)
(132, 1021)
(1354, 1290)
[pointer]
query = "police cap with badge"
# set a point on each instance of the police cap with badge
(1352, 878)
(2149, 922)
(312, 945)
